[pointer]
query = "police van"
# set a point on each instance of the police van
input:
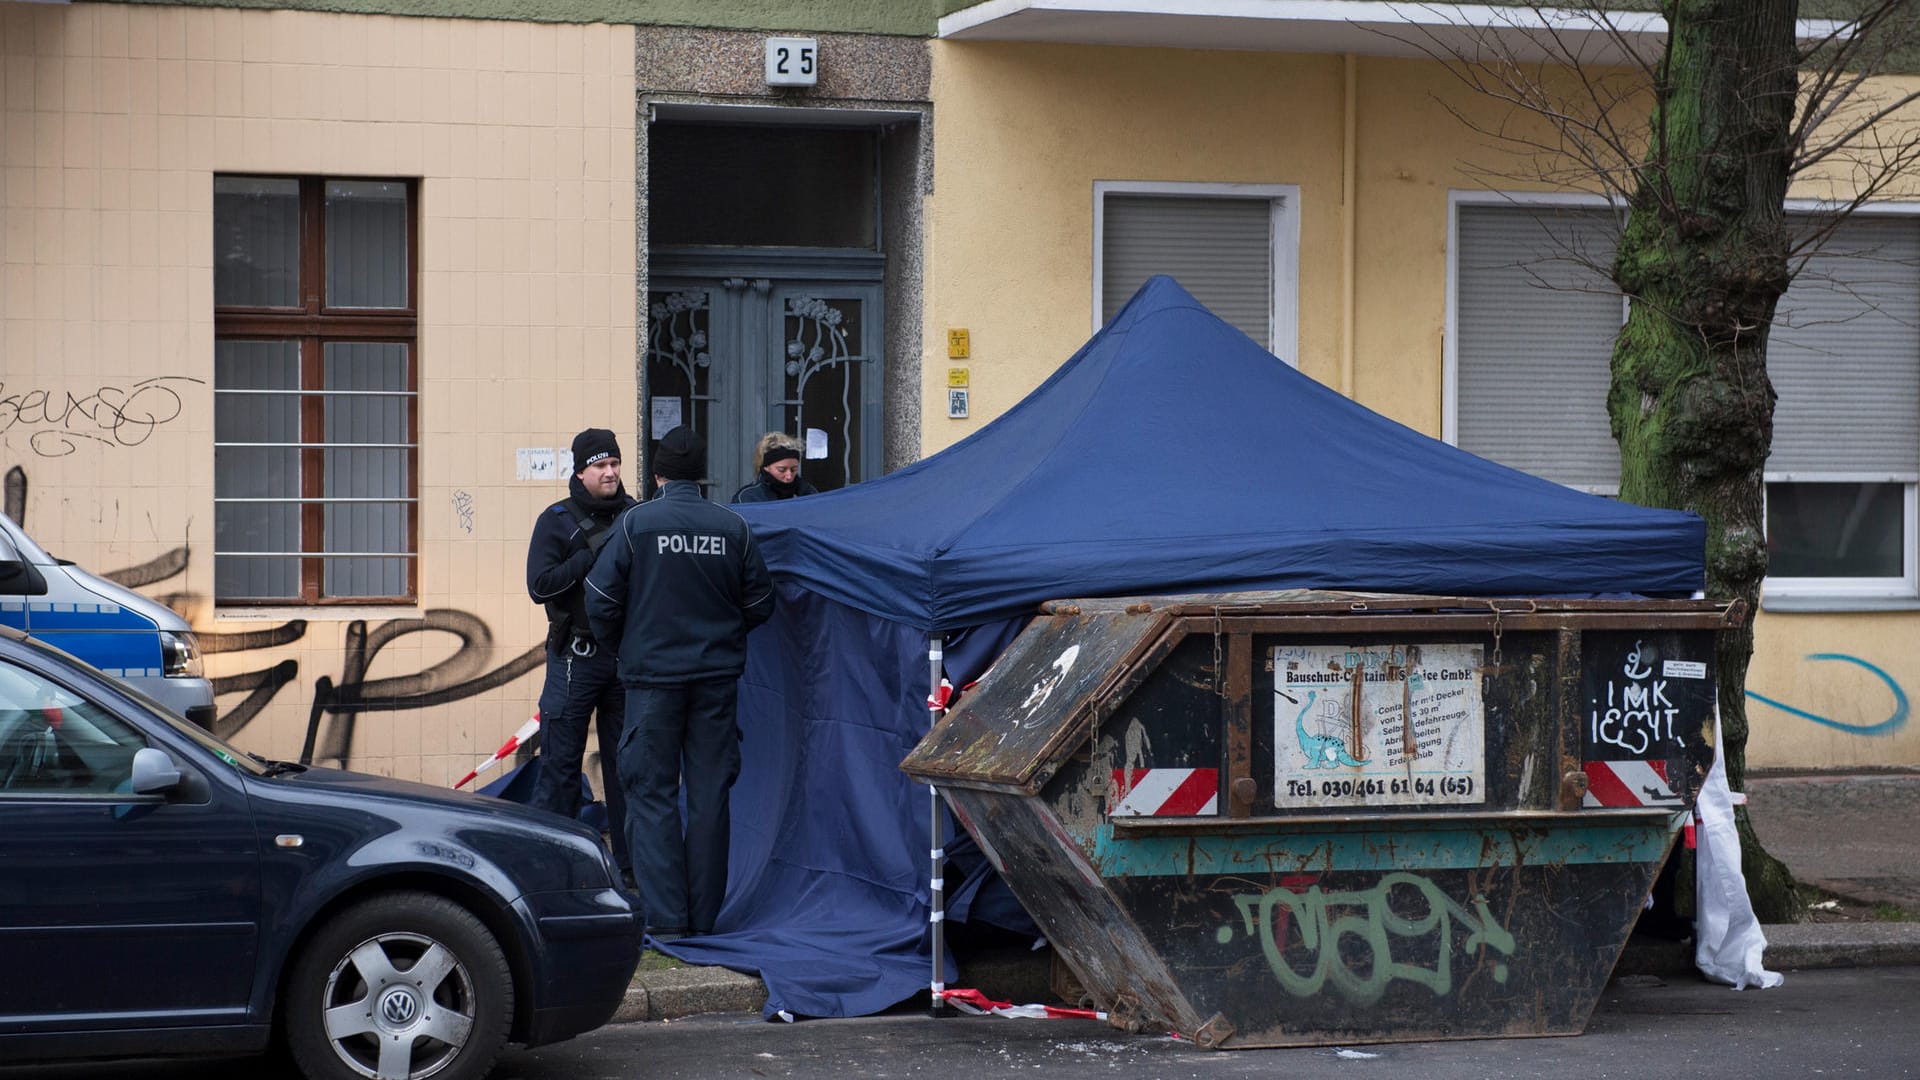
(142, 642)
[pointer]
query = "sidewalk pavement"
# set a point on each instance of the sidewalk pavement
(1851, 834)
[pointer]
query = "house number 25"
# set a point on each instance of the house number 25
(792, 61)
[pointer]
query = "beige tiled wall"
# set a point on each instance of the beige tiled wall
(116, 118)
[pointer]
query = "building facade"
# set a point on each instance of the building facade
(300, 308)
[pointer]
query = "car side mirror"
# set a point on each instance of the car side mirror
(19, 578)
(153, 772)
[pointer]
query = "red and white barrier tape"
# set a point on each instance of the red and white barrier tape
(514, 741)
(979, 1004)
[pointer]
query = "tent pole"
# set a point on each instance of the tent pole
(937, 892)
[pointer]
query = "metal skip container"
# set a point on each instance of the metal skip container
(1302, 818)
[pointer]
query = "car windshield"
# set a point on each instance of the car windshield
(24, 546)
(239, 759)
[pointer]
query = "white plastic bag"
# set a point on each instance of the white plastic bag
(1728, 941)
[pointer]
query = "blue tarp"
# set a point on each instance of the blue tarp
(1174, 454)
(1170, 454)
(827, 886)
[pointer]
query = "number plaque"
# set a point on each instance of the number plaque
(793, 61)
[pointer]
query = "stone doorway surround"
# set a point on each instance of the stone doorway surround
(865, 80)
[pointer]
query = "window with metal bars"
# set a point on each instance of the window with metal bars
(316, 384)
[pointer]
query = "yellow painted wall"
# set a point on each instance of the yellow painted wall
(116, 119)
(1818, 664)
(1023, 131)
(1020, 135)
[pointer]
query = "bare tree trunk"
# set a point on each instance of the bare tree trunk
(1704, 261)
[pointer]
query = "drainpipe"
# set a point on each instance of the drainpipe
(1348, 107)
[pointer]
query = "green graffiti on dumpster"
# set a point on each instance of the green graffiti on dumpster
(1401, 907)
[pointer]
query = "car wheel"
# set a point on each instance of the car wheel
(402, 986)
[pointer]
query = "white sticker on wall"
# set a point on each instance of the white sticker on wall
(663, 414)
(536, 463)
(816, 444)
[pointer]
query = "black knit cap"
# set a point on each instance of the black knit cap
(682, 456)
(591, 445)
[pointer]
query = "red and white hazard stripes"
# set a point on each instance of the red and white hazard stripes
(978, 1004)
(527, 731)
(1165, 792)
(1628, 783)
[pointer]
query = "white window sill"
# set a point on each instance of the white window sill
(320, 613)
(1809, 604)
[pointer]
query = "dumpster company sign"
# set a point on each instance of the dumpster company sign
(1378, 725)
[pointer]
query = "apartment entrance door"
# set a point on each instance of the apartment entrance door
(746, 349)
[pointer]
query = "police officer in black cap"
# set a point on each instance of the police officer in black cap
(582, 678)
(678, 587)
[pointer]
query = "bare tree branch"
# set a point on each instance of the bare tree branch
(1582, 125)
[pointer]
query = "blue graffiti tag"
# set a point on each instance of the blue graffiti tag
(1885, 727)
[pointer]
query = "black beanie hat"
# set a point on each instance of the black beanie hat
(591, 445)
(682, 456)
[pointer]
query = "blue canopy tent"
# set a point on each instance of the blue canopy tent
(1170, 454)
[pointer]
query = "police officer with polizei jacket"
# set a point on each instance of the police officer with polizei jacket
(678, 587)
(583, 680)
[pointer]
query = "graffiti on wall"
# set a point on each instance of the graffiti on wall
(1300, 934)
(338, 703)
(462, 675)
(1895, 720)
(57, 423)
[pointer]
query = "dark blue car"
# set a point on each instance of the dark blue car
(162, 892)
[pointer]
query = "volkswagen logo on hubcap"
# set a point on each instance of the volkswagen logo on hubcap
(398, 1007)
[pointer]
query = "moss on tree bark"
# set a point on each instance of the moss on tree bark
(1704, 262)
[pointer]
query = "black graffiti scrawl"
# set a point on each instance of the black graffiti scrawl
(56, 424)
(462, 675)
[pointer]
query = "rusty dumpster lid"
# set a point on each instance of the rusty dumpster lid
(1033, 705)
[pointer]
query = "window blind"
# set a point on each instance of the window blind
(1220, 249)
(1534, 339)
(1844, 355)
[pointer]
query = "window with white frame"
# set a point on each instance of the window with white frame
(1844, 356)
(315, 418)
(1531, 333)
(1235, 247)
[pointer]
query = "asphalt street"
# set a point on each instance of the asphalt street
(1846, 1022)
(1862, 1022)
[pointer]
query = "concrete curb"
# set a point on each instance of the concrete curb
(674, 993)
(1826, 945)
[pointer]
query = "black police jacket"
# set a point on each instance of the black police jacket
(677, 587)
(762, 491)
(558, 558)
